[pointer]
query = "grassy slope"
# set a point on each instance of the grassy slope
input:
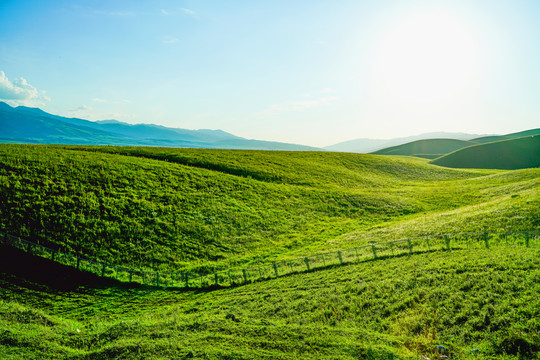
(507, 154)
(488, 139)
(212, 208)
(429, 148)
(398, 308)
(393, 308)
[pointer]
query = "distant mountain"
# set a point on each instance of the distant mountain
(365, 145)
(32, 125)
(519, 153)
(428, 148)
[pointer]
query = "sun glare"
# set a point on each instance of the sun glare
(426, 57)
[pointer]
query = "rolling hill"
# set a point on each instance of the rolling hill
(35, 126)
(428, 148)
(365, 145)
(162, 208)
(173, 209)
(520, 153)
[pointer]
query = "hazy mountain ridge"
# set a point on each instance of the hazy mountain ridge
(33, 125)
(365, 145)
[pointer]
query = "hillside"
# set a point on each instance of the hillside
(35, 126)
(174, 209)
(429, 148)
(464, 304)
(432, 148)
(517, 153)
(367, 145)
(202, 209)
(488, 139)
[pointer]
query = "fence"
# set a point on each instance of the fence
(249, 274)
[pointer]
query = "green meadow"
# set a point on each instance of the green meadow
(204, 210)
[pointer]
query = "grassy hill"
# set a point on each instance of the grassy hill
(507, 154)
(162, 208)
(471, 304)
(430, 148)
(435, 148)
(488, 139)
(173, 209)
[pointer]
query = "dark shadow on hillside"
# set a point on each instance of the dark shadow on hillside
(25, 268)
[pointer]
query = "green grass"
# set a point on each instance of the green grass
(517, 153)
(428, 148)
(178, 209)
(397, 308)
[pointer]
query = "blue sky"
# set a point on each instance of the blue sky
(308, 72)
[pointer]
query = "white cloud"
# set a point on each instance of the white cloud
(164, 12)
(99, 100)
(20, 92)
(169, 40)
(188, 11)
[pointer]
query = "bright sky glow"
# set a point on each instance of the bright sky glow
(308, 72)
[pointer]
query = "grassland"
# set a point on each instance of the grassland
(475, 303)
(428, 148)
(511, 154)
(206, 209)
(179, 209)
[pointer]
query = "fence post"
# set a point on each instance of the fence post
(374, 251)
(409, 244)
(428, 244)
(306, 260)
(323, 261)
(447, 240)
(275, 268)
(186, 279)
(130, 276)
(340, 257)
(357, 257)
(486, 240)
(102, 270)
(527, 239)
(78, 263)
(245, 276)
(216, 278)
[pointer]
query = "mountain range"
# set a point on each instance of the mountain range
(32, 125)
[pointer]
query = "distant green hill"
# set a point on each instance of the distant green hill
(517, 153)
(488, 139)
(429, 148)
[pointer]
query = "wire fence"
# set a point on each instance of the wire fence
(238, 276)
